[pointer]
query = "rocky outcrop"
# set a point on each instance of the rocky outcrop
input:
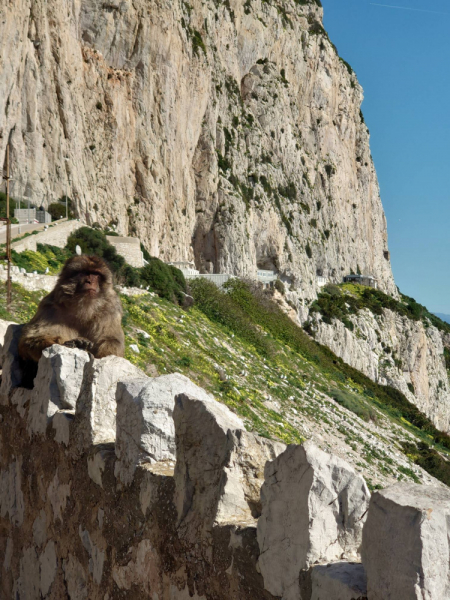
(394, 350)
(226, 133)
(405, 543)
(115, 485)
(313, 511)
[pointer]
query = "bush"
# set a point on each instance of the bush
(344, 398)
(308, 250)
(333, 304)
(57, 210)
(47, 259)
(167, 281)
(279, 286)
(93, 241)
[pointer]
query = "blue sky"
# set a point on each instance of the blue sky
(402, 60)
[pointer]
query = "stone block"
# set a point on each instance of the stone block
(219, 468)
(61, 423)
(338, 581)
(145, 428)
(9, 358)
(405, 548)
(313, 509)
(95, 416)
(3, 329)
(57, 385)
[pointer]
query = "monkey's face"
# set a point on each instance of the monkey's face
(89, 283)
(84, 278)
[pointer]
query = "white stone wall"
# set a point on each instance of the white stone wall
(30, 281)
(129, 248)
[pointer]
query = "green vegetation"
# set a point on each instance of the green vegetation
(250, 314)
(338, 302)
(47, 259)
(346, 65)
(197, 42)
(306, 2)
(308, 250)
(12, 205)
(166, 281)
(239, 344)
(93, 241)
(57, 210)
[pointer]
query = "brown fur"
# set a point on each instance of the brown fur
(82, 311)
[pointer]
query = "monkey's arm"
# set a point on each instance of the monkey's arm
(43, 331)
(109, 338)
(110, 346)
(31, 346)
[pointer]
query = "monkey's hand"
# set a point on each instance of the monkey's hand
(80, 343)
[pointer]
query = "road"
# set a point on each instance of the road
(18, 230)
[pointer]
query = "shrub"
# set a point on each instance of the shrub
(308, 250)
(279, 286)
(346, 399)
(168, 282)
(57, 211)
(337, 307)
(46, 257)
(93, 241)
(249, 312)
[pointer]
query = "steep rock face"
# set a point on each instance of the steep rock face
(394, 350)
(225, 132)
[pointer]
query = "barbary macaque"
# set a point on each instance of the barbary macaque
(83, 311)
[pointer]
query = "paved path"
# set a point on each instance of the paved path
(19, 230)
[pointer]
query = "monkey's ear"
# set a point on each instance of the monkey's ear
(78, 250)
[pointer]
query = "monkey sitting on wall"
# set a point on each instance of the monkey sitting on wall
(83, 311)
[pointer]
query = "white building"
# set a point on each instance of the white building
(187, 268)
(190, 272)
(266, 277)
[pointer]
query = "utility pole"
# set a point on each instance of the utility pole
(66, 160)
(8, 234)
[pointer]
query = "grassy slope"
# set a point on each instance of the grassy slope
(287, 395)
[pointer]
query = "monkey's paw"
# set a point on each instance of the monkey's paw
(80, 343)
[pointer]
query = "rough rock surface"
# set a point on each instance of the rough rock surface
(220, 466)
(145, 427)
(313, 510)
(229, 133)
(3, 329)
(70, 530)
(11, 370)
(95, 416)
(57, 385)
(405, 548)
(394, 350)
(338, 581)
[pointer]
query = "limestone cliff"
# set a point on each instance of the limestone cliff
(394, 350)
(225, 132)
